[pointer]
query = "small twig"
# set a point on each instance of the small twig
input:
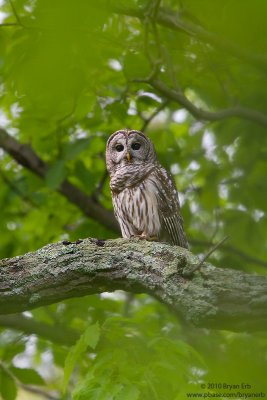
(216, 228)
(35, 389)
(206, 256)
(146, 37)
(100, 185)
(29, 388)
(69, 114)
(15, 13)
(153, 115)
(150, 18)
(10, 24)
(156, 6)
(234, 251)
(16, 190)
(155, 12)
(152, 75)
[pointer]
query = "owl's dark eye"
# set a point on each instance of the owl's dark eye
(119, 147)
(136, 146)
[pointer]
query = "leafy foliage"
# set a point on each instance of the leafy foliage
(130, 361)
(88, 338)
(71, 73)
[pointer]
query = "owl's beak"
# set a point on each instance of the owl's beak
(128, 155)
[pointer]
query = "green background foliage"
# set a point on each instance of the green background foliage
(71, 73)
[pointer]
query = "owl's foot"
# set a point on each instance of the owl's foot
(143, 236)
(152, 238)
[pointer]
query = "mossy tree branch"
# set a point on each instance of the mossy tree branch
(25, 156)
(212, 297)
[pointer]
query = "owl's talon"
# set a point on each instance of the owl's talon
(152, 239)
(145, 237)
(141, 237)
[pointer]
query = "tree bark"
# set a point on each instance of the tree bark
(212, 297)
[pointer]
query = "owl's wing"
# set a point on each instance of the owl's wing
(169, 209)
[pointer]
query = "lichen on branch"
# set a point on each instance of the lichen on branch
(213, 297)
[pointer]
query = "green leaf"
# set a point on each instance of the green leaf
(83, 390)
(8, 388)
(89, 338)
(97, 388)
(128, 392)
(75, 148)
(56, 174)
(83, 174)
(136, 65)
(27, 376)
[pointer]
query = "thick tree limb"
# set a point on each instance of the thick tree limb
(180, 98)
(25, 156)
(31, 326)
(213, 297)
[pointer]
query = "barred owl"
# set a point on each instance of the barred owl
(144, 196)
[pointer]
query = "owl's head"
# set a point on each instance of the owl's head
(127, 147)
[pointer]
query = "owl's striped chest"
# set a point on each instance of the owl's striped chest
(137, 209)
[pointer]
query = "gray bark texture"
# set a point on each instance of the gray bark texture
(211, 297)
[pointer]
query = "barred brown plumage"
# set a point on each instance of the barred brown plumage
(144, 196)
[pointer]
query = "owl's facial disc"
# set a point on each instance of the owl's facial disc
(117, 148)
(137, 146)
(127, 147)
